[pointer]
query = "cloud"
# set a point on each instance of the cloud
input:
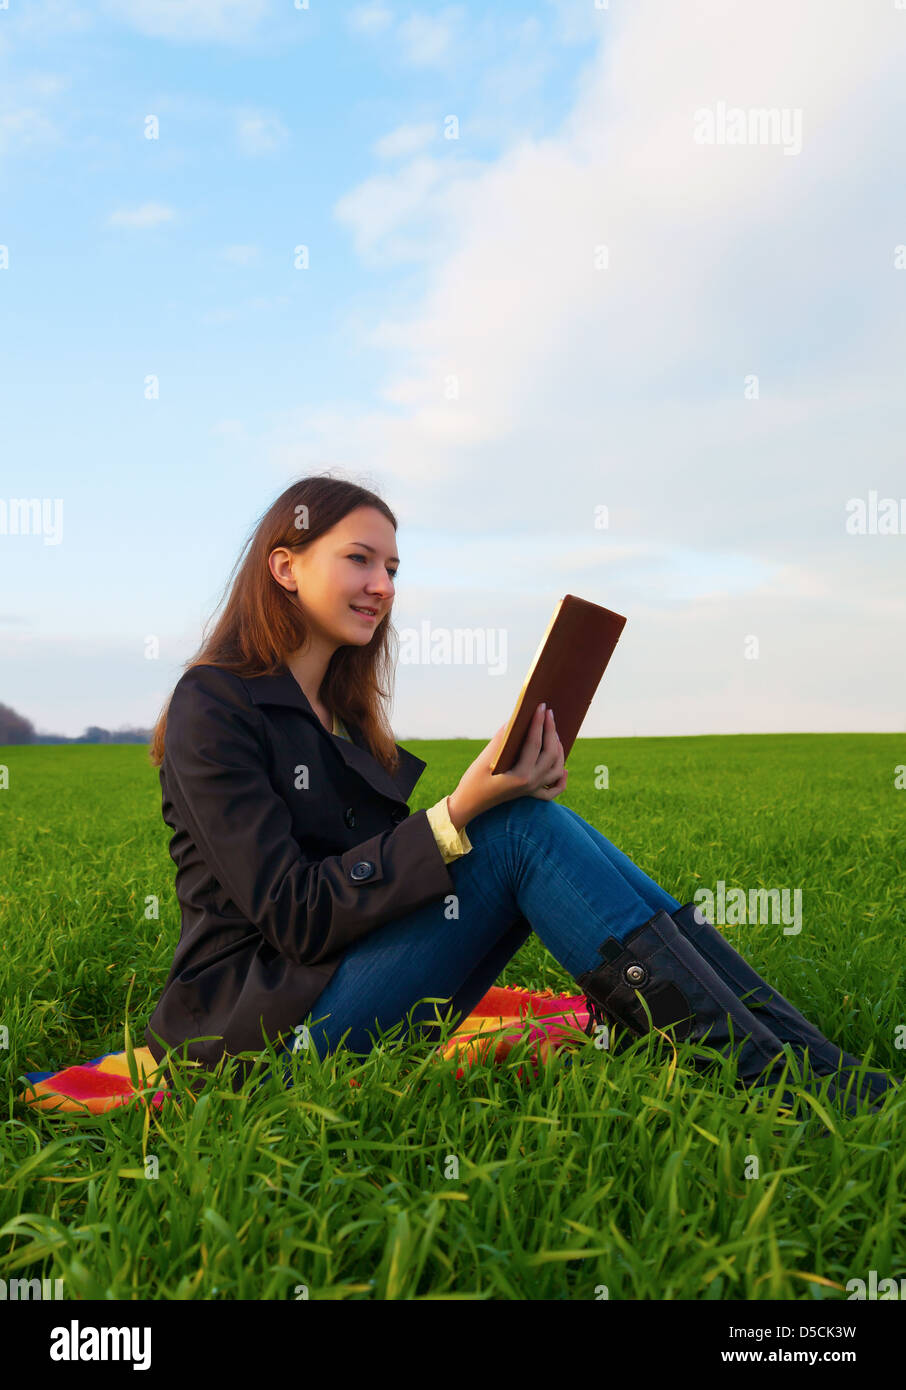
(405, 140)
(543, 343)
(257, 304)
(23, 127)
(227, 21)
(47, 84)
(240, 255)
(148, 215)
(41, 18)
(369, 19)
(536, 380)
(229, 429)
(579, 23)
(215, 316)
(259, 133)
(24, 115)
(427, 38)
(402, 215)
(423, 40)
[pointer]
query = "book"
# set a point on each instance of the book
(565, 673)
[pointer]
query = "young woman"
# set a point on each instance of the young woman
(311, 896)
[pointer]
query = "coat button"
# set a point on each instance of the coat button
(398, 814)
(364, 869)
(349, 817)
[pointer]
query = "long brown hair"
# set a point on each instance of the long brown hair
(261, 624)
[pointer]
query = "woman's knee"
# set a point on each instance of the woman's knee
(533, 809)
(518, 811)
(505, 813)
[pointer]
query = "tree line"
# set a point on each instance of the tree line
(15, 728)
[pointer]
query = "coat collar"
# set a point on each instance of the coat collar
(282, 688)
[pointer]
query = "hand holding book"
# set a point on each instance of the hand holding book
(526, 755)
(539, 771)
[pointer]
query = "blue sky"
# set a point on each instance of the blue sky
(470, 259)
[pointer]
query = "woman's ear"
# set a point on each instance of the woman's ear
(280, 565)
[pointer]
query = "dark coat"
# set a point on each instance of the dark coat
(290, 843)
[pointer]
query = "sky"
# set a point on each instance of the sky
(603, 299)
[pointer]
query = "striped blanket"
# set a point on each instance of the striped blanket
(502, 1018)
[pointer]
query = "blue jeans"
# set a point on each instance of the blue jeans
(530, 859)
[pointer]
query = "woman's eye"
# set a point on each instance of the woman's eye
(392, 573)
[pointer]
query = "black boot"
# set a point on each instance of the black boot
(683, 993)
(777, 1013)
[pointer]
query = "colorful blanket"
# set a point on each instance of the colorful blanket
(502, 1018)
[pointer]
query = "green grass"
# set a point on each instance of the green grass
(619, 1170)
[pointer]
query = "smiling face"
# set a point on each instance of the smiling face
(351, 566)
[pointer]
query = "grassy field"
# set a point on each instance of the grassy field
(615, 1175)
